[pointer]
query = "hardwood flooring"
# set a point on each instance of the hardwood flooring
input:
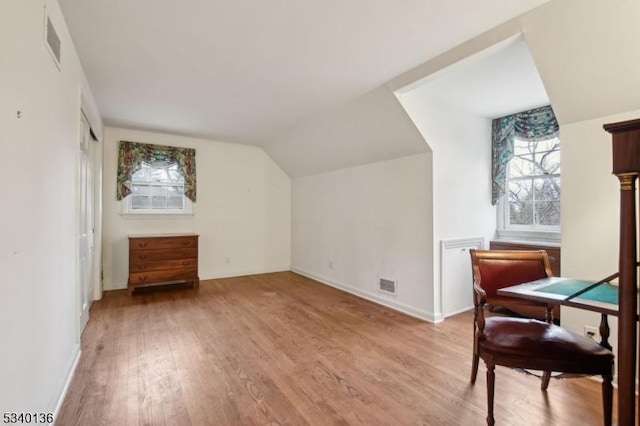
(281, 349)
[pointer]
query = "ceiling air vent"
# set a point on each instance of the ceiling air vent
(387, 286)
(52, 40)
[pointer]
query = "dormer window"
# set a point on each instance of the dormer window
(533, 185)
(526, 173)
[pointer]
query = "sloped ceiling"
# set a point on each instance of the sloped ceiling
(494, 85)
(373, 127)
(310, 82)
(258, 72)
(586, 53)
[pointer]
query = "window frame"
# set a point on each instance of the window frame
(127, 202)
(530, 231)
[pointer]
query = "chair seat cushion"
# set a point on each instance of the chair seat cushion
(543, 342)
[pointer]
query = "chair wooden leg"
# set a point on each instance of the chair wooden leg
(607, 399)
(491, 381)
(474, 367)
(546, 377)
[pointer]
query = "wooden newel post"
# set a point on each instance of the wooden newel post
(626, 165)
(627, 342)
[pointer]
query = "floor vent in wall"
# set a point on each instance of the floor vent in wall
(386, 285)
(52, 40)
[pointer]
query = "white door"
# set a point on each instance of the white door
(85, 222)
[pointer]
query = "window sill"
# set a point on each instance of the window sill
(146, 216)
(530, 236)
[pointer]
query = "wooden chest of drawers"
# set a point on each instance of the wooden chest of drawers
(553, 251)
(162, 259)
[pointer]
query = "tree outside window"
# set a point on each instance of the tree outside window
(533, 184)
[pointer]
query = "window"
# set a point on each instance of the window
(525, 175)
(156, 179)
(533, 185)
(157, 189)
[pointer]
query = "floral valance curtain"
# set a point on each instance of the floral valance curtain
(532, 125)
(131, 155)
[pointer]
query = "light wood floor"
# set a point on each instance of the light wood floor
(281, 349)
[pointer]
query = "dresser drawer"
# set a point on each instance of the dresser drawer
(162, 259)
(163, 254)
(162, 265)
(148, 277)
(161, 243)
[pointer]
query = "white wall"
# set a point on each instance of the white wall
(38, 227)
(590, 210)
(369, 221)
(243, 210)
(461, 144)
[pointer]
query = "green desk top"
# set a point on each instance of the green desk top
(606, 293)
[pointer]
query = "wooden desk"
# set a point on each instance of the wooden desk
(603, 298)
(550, 290)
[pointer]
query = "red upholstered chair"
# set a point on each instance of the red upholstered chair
(528, 343)
(495, 269)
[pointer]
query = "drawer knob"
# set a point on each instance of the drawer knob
(552, 259)
(142, 244)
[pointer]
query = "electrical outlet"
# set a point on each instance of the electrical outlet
(331, 265)
(592, 333)
(227, 260)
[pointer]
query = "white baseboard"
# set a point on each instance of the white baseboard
(67, 383)
(459, 311)
(232, 274)
(400, 307)
(248, 272)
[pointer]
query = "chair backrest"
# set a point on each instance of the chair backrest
(495, 269)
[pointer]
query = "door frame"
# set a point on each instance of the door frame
(89, 111)
(85, 222)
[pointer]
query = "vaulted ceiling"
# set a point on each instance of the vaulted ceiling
(250, 71)
(314, 82)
